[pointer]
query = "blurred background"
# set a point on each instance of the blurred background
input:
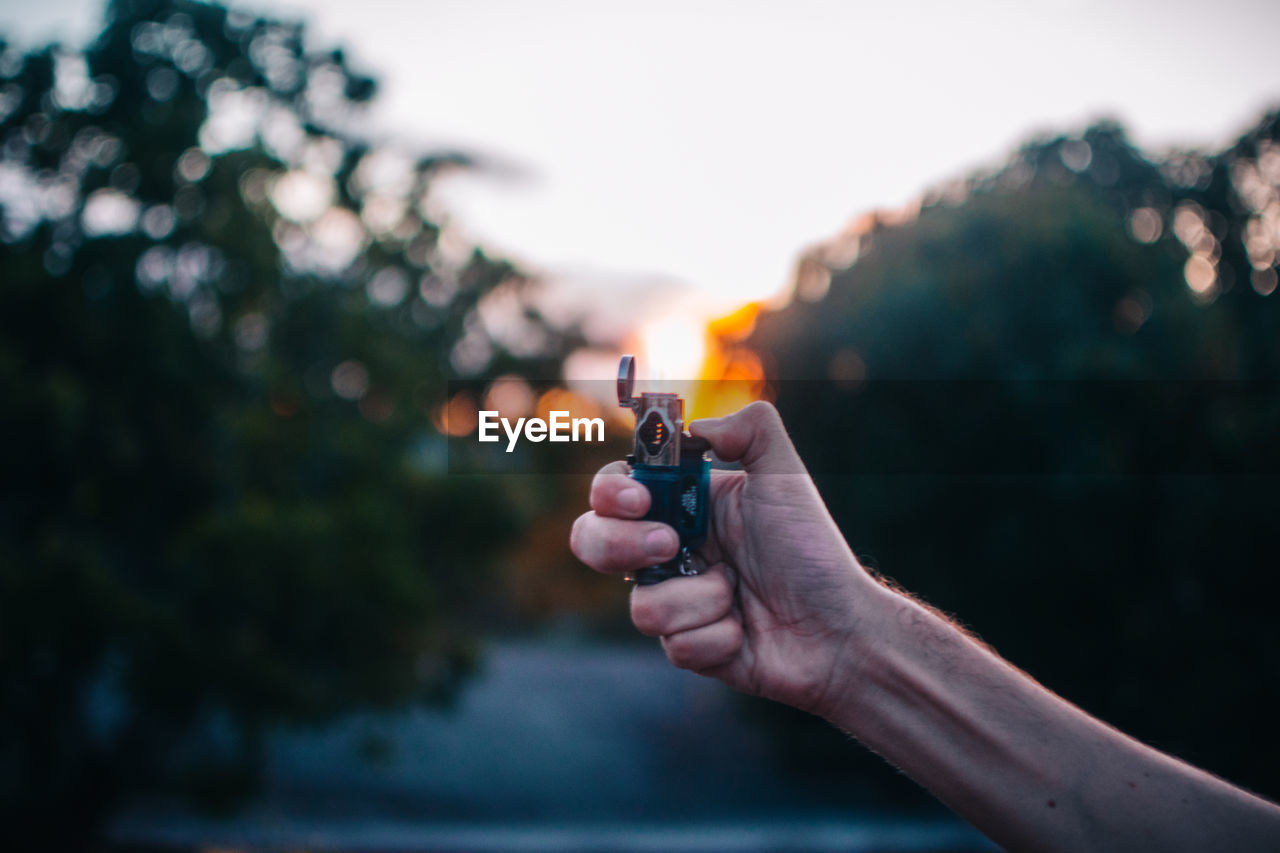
(1008, 273)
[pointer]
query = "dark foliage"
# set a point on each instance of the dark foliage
(224, 505)
(1023, 403)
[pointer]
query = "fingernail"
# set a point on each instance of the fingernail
(630, 499)
(660, 543)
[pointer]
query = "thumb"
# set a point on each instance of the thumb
(753, 435)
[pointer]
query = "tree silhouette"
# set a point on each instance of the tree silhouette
(226, 322)
(1048, 403)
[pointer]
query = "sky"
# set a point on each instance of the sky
(673, 158)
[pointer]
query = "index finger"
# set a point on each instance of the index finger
(615, 494)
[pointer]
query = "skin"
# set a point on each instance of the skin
(785, 611)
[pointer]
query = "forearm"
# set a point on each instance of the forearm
(1023, 765)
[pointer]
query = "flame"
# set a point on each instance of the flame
(673, 348)
(731, 374)
(737, 325)
(726, 375)
(732, 377)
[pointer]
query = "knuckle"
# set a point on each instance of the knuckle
(721, 588)
(727, 645)
(721, 598)
(680, 651)
(617, 468)
(596, 499)
(602, 480)
(576, 535)
(605, 491)
(595, 542)
(645, 615)
(618, 543)
(734, 639)
(607, 476)
(762, 413)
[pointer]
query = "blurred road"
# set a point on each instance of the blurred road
(554, 746)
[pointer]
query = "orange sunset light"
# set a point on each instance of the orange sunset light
(706, 363)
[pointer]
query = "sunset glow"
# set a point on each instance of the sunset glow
(672, 348)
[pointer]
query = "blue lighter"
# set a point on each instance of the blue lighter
(673, 466)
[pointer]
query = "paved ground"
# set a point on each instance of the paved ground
(555, 746)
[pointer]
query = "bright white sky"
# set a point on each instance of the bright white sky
(703, 144)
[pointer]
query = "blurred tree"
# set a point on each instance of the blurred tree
(1030, 415)
(226, 321)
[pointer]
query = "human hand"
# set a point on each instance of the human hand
(776, 609)
(785, 611)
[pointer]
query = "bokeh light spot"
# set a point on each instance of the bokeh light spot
(1263, 281)
(846, 368)
(510, 396)
(158, 221)
(109, 211)
(350, 380)
(1076, 154)
(388, 287)
(251, 332)
(193, 165)
(1201, 274)
(1146, 225)
(458, 417)
(301, 196)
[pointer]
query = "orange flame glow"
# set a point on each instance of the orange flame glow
(728, 375)
(731, 374)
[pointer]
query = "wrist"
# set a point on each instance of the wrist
(866, 665)
(860, 650)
